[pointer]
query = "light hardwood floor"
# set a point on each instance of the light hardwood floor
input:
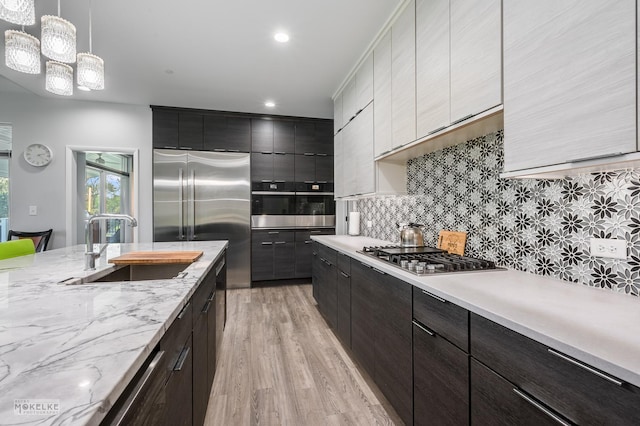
(282, 365)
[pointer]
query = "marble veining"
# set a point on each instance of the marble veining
(82, 344)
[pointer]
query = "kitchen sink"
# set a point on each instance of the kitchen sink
(132, 273)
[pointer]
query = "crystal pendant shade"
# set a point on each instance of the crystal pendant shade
(21, 12)
(22, 52)
(59, 78)
(58, 39)
(90, 71)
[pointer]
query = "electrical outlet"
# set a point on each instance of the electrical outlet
(369, 224)
(33, 210)
(613, 248)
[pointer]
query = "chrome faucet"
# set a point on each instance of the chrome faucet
(90, 256)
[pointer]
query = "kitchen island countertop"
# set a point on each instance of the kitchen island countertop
(80, 345)
(596, 326)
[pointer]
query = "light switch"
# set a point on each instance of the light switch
(33, 210)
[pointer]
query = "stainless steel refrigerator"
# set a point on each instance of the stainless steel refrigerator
(200, 196)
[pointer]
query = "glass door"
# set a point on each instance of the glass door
(107, 182)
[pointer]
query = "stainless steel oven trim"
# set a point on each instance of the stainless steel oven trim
(272, 193)
(292, 221)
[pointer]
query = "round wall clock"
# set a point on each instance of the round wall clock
(38, 155)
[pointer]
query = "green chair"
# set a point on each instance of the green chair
(15, 248)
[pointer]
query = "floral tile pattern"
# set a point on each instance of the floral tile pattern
(540, 226)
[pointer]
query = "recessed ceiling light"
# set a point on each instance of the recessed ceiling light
(270, 104)
(281, 37)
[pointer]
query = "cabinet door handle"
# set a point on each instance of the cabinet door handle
(233, 150)
(139, 388)
(266, 152)
(181, 359)
(437, 130)
(379, 271)
(541, 407)
(595, 157)
(265, 181)
(315, 231)
(322, 181)
(463, 118)
(278, 181)
(308, 241)
(345, 275)
(280, 153)
(423, 328)
(183, 311)
(205, 310)
(219, 150)
(366, 266)
(212, 296)
(586, 367)
(439, 299)
(266, 243)
(281, 242)
(322, 155)
(308, 154)
(273, 232)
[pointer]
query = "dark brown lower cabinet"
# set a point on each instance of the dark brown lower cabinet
(179, 389)
(393, 354)
(495, 401)
(328, 282)
(343, 329)
(315, 271)
(440, 380)
(576, 391)
(381, 333)
(173, 385)
(362, 316)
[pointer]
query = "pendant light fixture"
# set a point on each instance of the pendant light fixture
(59, 78)
(90, 66)
(21, 12)
(58, 38)
(22, 51)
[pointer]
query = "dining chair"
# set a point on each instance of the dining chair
(40, 238)
(15, 248)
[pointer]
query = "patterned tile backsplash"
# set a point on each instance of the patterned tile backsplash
(539, 226)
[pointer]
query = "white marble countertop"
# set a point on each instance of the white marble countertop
(80, 345)
(596, 326)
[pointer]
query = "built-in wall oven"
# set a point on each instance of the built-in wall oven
(292, 210)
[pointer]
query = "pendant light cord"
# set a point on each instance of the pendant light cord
(90, 29)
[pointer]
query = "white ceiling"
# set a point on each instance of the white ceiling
(217, 55)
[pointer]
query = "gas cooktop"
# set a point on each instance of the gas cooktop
(427, 260)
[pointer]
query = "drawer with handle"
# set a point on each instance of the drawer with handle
(442, 317)
(571, 388)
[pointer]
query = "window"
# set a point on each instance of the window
(5, 156)
(107, 189)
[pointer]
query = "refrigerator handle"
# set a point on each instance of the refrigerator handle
(193, 204)
(180, 204)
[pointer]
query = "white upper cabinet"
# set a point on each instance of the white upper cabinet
(364, 83)
(403, 77)
(382, 95)
(432, 65)
(569, 81)
(337, 114)
(476, 52)
(349, 152)
(349, 99)
(365, 165)
(338, 162)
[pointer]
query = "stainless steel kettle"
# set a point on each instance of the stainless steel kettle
(411, 234)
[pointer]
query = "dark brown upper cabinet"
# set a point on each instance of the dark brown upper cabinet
(272, 136)
(177, 130)
(314, 137)
(227, 134)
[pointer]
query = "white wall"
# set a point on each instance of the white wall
(58, 124)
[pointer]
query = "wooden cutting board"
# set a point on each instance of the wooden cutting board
(156, 257)
(452, 241)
